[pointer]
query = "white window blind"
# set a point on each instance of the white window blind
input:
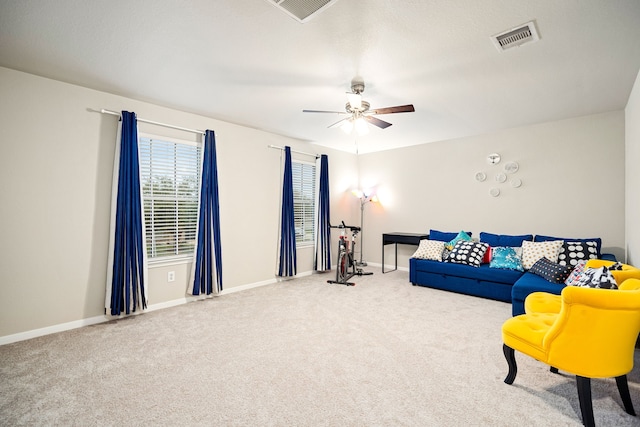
(304, 200)
(170, 173)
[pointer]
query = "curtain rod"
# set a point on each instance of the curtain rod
(295, 151)
(115, 113)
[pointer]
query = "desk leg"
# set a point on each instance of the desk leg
(396, 263)
(396, 258)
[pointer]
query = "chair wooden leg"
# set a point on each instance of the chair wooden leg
(509, 354)
(623, 388)
(584, 396)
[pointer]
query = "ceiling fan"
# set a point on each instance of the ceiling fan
(358, 111)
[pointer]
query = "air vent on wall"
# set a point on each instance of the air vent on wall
(517, 36)
(302, 10)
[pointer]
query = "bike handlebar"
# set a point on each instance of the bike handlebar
(353, 228)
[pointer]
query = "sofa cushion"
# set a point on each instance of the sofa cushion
(572, 252)
(429, 249)
(468, 252)
(552, 271)
(533, 251)
(482, 273)
(505, 257)
(540, 238)
(527, 284)
(443, 236)
(504, 239)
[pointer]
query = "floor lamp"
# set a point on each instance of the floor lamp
(365, 197)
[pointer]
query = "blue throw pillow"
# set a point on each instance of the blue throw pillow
(461, 236)
(443, 236)
(505, 257)
(504, 239)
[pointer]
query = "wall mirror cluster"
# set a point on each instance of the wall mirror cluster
(504, 175)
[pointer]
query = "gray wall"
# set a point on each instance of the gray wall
(572, 174)
(56, 166)
(632, 159)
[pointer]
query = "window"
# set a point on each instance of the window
(304, 201)
(170, 174)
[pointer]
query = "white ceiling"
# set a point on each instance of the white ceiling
(247, 62)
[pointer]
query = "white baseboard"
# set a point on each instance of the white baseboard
(34, 333)
(248, 286)
(22, 336)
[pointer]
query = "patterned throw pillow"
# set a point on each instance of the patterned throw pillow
(468, 252)
(533, 251)
(576, 273)
(505, 257)
(616, 266)
(597, 278)
(429, 249)
(573, 252)
(550, 271)
(461, 236)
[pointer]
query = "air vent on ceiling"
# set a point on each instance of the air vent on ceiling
(302, 10)
(517, 36)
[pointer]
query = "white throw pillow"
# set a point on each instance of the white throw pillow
(429, 249)
(533, 251)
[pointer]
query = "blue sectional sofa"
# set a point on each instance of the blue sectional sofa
(477, 281)
(493, 283)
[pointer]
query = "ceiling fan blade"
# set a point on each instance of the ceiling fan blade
(339, 123)
(322, 111)
(377, 122)
(399, 109)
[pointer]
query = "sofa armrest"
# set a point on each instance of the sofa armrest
(608, 257)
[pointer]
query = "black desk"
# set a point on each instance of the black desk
(403, 239)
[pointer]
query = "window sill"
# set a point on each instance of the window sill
(166, 261)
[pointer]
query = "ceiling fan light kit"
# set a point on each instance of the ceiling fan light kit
(359, 112)
(346, 126)
(361, 126)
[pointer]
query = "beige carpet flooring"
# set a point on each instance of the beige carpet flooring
(297, 353)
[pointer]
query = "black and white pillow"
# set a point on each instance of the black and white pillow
(616, 266)
(597, 278)
(468, 252)
(550, 271)
(572, 252)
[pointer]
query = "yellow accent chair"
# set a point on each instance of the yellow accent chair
(592, 336)
(544, 302)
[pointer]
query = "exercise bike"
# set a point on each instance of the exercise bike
(346, 267)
